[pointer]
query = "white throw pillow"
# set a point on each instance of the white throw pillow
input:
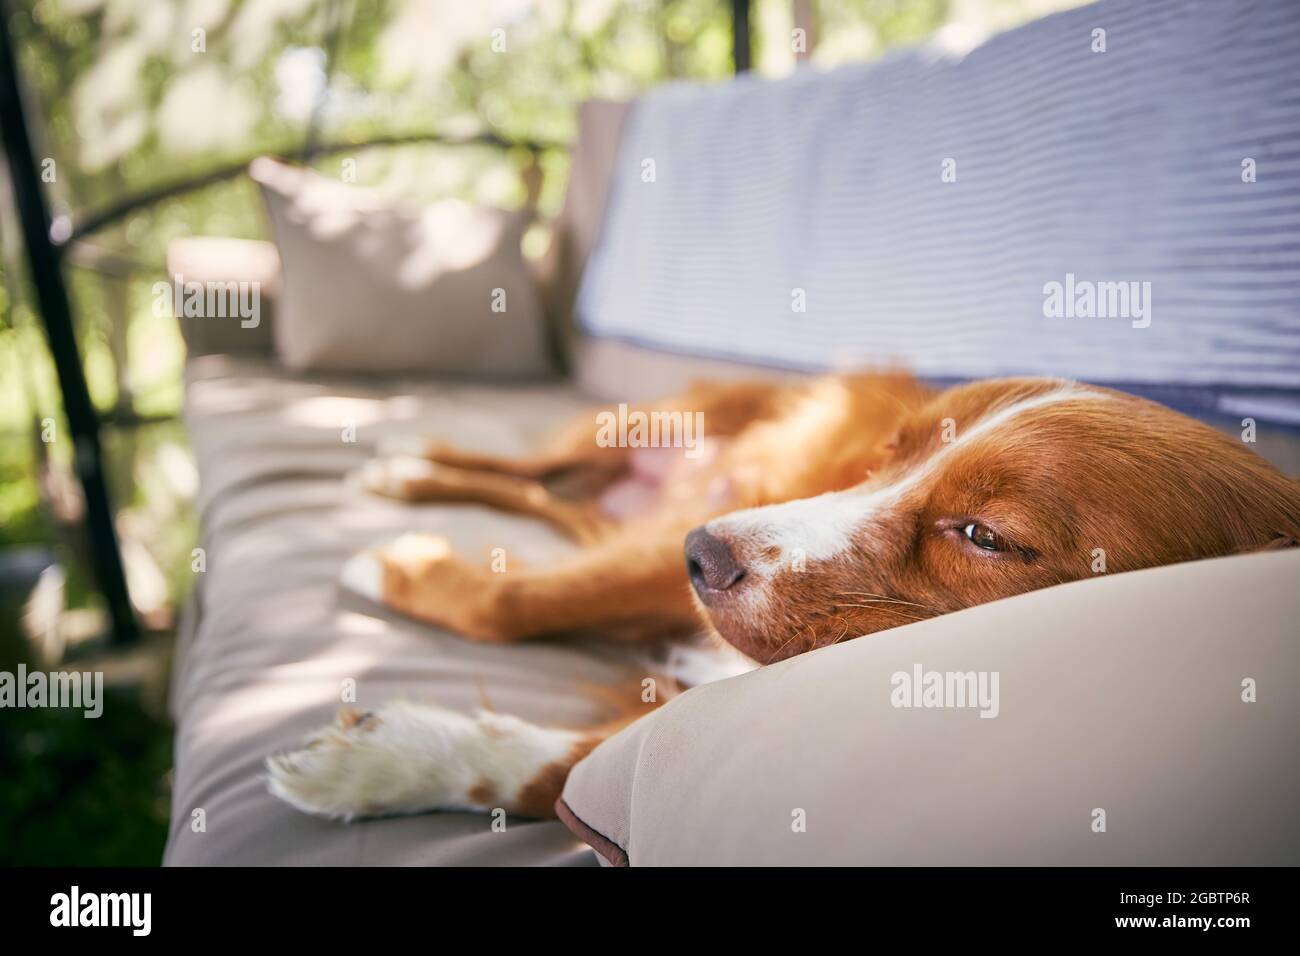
(369, 287)
(1145, 719)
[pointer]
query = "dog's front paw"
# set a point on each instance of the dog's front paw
(399, 759)
(407, 758)
(334, 771)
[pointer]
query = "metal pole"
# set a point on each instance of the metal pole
(740, 37)
(56, 314)
(805, 18)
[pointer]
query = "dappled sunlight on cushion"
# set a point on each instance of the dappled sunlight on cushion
(449, 236)
(336, 413)
(350, 622)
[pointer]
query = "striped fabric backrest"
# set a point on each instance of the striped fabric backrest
(1111, 193)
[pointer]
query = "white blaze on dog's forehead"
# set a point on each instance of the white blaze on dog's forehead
(822, 527)
(1002, 416)
(814, 528)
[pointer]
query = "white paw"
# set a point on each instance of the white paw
(415, 546)
(391, 477)
(388, 762)
(409, 757)
(402, 446)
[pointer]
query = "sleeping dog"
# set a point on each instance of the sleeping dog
(811, 513)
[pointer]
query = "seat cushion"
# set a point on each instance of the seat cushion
(272, 641)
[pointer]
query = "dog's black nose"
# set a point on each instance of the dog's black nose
(710, 564)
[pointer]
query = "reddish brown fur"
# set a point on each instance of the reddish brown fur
(537, 799)
(1139, 482)
(483, 794)
(629, 582)
(1143, 483)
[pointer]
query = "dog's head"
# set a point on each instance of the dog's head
(990, 490)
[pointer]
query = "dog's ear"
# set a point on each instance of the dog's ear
(1277, 544)
(1283, 530)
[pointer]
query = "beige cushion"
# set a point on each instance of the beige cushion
(373, 288)
(1122, 694)
(621, 371)
(208, 259)
(271, 638)
(577, 228)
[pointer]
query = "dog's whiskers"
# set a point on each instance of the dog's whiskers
(883, 606)
(843, 634)
(787, 641)
(888, 599)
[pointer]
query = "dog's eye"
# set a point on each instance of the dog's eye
(984, 537)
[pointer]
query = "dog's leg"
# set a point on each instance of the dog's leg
(408, 757)
(574, 449)
(619, 587)
(418, 479)
(727, 409)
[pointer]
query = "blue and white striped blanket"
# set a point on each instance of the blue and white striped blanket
(1038, 206)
